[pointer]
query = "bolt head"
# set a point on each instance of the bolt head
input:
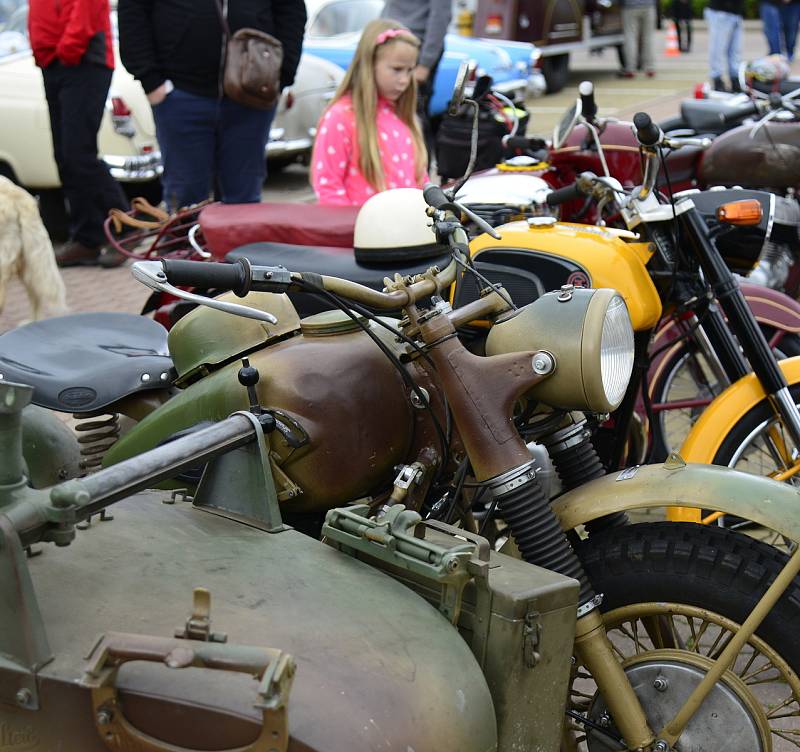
(103, 717)
(23, 696)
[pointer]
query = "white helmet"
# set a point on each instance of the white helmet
(392, 226)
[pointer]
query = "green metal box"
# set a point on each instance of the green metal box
(518, 619)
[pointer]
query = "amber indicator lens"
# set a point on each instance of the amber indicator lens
(747, 212)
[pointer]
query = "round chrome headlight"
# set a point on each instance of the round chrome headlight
(589, 337)
(616, 350)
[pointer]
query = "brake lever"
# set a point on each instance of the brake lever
(151, 274)
(679, 141)
(482, 223)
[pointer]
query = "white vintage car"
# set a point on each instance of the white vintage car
(126, 140)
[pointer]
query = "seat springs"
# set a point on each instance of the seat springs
(96, 435)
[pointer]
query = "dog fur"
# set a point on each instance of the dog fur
(26, 252)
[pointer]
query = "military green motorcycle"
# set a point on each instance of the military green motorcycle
(649, 636)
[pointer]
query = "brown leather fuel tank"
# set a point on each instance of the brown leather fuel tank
(337, 393)
(771, 159)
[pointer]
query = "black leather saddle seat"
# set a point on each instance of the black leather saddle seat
(83, 362)
(331, 262)
(785, 86)
(703, 115)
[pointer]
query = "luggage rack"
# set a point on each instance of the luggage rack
(146, 232)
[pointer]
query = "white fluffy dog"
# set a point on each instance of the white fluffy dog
(26, 252)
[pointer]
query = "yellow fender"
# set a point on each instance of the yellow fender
(771, 504)
(719, 418)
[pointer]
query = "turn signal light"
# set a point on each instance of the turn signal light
(747, 212)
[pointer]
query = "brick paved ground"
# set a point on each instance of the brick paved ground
(94, 289)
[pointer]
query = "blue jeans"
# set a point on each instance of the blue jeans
(724, 42)
(211, 146)
(780, 26)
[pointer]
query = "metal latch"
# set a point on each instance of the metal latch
(398, 539)
(531, 636)
(198, 625)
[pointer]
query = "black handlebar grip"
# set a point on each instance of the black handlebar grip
(648, 133)
(209, 275)
(588, 105)
(562, 195)
(739, 113)
(434, 196)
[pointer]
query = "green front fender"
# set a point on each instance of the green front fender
(50, 449)
(771, 504)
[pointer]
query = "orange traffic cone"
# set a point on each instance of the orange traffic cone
(671, 49)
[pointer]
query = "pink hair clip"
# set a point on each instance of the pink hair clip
(385, 36)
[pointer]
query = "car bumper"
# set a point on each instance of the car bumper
(536, 86)
(135, 169)
(279, 147)
(514, 88)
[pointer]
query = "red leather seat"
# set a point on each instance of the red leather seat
(229, 226)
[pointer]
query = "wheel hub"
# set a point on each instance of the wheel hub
(663, 681)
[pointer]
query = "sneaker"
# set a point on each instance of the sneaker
(76, 253)
(650, 74)
(110, 258)
(625, 74)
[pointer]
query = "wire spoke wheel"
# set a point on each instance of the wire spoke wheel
(674, 596)
(689, 378)
(761, 688)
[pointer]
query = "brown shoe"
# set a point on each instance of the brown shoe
(75, 253)
(625, 74)
(110, 258)
(650, 73)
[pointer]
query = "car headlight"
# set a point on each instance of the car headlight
(584, 342)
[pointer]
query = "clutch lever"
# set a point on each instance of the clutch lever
(482, 223)
(151, 274)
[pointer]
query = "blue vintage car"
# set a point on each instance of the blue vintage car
(334, 27)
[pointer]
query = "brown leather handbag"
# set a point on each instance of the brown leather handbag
(252, 73)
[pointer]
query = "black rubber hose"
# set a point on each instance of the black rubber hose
(578, 465)
(539, 536)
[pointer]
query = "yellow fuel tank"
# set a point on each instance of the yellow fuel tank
(546, 256)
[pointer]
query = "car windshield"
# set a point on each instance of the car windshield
(13, 27)
(342, 17)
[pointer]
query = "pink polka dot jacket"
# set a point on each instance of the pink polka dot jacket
(335, 175)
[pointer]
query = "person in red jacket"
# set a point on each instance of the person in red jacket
(72, 44)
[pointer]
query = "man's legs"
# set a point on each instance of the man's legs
(76, 99)
(647, 21)
(717, 44)
(734, 48)
(185, 128)
(240, 158)
(790, 17)
(771, 22)
(630, 30)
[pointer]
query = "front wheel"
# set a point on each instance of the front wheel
(674, 594)
(759, 444)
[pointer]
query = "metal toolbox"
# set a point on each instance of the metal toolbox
(518, 619)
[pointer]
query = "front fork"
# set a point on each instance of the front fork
(741, 320)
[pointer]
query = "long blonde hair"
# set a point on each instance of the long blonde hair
(359, 82)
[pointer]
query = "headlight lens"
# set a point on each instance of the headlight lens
(616, 350)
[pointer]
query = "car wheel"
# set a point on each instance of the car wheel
(556, 72)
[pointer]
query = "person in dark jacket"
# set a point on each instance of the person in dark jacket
(72, 44)
(724, 19)
(428, 21)
(209, 143)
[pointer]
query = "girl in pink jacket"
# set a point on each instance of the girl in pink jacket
(369, 138)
